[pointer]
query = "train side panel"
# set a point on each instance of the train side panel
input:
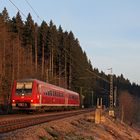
(51, 97)
(73, 100)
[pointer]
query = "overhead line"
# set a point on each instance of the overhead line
(97, 75)
(33, 10)
(18, 8)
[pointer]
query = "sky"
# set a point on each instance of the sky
(108, 30)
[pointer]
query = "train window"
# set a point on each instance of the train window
(24, 91)
(57, 94)
(24, 88)
(25, 85)
(52, 93)
(61, 94)
(73, 97)
(49, 93)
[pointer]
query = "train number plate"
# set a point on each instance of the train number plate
(22, 104)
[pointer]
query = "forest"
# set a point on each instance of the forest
(50, 54)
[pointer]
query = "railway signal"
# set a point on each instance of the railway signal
(111, 104)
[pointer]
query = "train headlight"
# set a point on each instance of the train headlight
(32, 101)
(13, 101)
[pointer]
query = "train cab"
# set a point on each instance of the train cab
(23, 94)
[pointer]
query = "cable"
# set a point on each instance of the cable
(98, 76)
(18, 9)
(33, 10)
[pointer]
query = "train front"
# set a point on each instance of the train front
(22, 95)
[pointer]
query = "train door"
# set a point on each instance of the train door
(66, 99)
(40, 94)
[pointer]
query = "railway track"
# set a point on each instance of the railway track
(11, 125)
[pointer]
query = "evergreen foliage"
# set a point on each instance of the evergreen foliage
(48, 53)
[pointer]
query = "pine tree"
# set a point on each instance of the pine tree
(60, 55)
(52, 43)
(43, 48)
(28, 42)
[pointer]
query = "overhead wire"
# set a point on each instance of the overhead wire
(17, 8)
(33, 10)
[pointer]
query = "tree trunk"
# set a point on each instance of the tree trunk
(36, 50)
(42, 60)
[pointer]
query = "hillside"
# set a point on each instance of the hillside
(80, 127)
(48, 53)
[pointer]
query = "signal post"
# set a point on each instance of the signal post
(111, 104)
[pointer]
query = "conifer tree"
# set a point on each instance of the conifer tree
(43, 48)
(28, 42)
(52, 43)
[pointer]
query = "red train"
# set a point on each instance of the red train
(32, 94)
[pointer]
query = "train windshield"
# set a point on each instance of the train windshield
(24, 88)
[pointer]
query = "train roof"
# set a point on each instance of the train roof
(26, 80)
(42, 82)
